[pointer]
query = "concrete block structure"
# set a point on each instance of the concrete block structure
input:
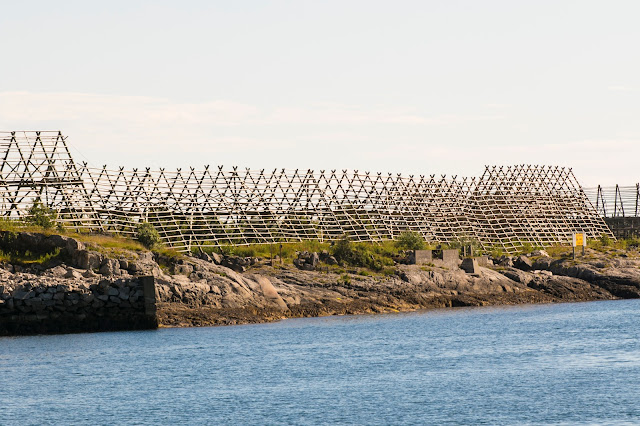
(470, 265)
(421, 257)
(451, 257)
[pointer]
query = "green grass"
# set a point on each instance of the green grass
(108, 241)
(17, 225)
(288, 250)
(376, 258)
(558, 250)
(28, 258)
(606, 245)
(602, 245)
(373, 256)
(389, 271)
(110, 245)
(99, 240)
(344, 279)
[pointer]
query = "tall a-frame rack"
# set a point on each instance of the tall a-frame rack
(37, 166)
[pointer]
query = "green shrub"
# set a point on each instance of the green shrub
(605, 240)
(344, 279)
(147, 235)
(496, 253)
(465, 243)
(364, 255)
(245, 251)
(410, 240)
(342, 249)
(41, 215)
(389, 271)
(633, 242)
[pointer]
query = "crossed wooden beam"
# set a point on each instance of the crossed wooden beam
(506, 208)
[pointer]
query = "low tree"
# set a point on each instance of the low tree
(41, 215)
(147, 235)
(342, 250)
(410, 240)
(359, 254)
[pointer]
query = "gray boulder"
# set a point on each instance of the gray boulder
(73, 274)
(215, 258)
(85, 259)
(523, 263)
(110, 267)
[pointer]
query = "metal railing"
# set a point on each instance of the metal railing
(615, 201)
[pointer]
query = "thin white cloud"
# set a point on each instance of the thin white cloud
(62, 107)
(497, 106)
(66, 106)
(149, 130)
(589, 159)
(138, 131)
(574, 148)
(619, 88)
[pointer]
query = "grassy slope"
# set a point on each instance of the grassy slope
(377, 257)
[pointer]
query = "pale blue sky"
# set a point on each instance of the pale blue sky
(402, 86)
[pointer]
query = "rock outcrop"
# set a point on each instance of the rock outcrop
(208, 289)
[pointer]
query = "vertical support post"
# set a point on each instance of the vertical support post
(271, 253)
(149, 290)
(190, 231)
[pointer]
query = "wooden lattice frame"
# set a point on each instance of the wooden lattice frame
(506, 208)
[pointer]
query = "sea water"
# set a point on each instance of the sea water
(536, 364)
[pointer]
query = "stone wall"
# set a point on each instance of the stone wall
(37, 306)
(78, 289)
(624, 227)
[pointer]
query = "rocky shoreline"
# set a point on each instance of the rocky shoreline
(268, 294)
(215, 290)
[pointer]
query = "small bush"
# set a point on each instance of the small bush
(147, 235)
(41, 215)
(633, 242)
(342, 249)
(496, 252)
(465, 242)
(605, 240)
(344, 279)
(410, 241)
(389, 271)
(364, 255)
(245, 251)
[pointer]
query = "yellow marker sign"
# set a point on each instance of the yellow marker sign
(579, 240)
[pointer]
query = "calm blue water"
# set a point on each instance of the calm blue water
(558, 364)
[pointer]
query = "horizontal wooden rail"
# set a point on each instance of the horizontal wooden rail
(506, 208)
